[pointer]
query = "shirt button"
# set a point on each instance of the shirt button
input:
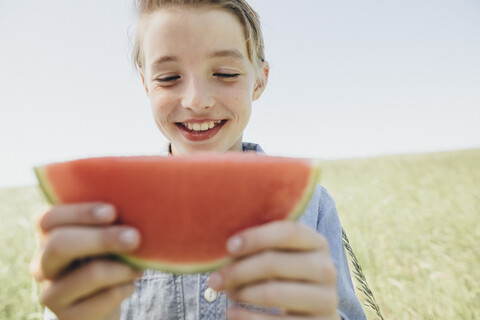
(210, 295)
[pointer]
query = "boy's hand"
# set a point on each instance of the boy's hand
(95, 287)
(280, 264)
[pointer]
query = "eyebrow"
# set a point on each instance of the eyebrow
(164, 60)
(233, 53)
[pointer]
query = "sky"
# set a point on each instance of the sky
(348, 79)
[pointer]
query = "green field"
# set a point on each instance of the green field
(413, 221)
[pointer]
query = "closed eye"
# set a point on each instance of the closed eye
(168, 79)
(226, 75)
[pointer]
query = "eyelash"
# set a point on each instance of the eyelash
(221, 75)
(227, 75)
(169, 79)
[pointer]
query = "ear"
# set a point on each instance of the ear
(145, 84)
(261, 81)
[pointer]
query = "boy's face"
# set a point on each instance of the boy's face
(199, 79)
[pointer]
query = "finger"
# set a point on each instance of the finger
(295, 297)
(68, 244)
(35, 266)
(287, 235)
(76, 214)
(311, 266)
(99, 305)
(238, 313)
(85, 281)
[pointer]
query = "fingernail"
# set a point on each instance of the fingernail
(129, 237)
(234, 244)
(104, 212)
(215, 280)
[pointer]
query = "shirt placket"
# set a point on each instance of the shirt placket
(212, 304)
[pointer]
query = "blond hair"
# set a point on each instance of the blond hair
(249, 19)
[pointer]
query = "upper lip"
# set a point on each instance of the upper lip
(199, 120)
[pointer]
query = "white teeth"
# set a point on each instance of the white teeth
(200, 127)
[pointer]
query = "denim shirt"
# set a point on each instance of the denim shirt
(166, 296)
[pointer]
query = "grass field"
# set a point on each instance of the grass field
(413, 221)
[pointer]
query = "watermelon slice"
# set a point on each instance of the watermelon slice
(186, 207)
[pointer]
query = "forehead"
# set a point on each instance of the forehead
(186, 30)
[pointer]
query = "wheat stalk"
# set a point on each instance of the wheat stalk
(362, 281)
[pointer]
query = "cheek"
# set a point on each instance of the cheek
(161, 106)
(238, 98)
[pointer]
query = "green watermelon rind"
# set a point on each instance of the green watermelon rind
(178, 268)
(45, 185)
(308, 192)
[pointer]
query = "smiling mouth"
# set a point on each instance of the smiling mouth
(199, 127)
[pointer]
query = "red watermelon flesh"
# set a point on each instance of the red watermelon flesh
(186, 207)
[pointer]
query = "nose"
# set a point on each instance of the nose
(197, 95)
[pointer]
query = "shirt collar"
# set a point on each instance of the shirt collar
(246, 146)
